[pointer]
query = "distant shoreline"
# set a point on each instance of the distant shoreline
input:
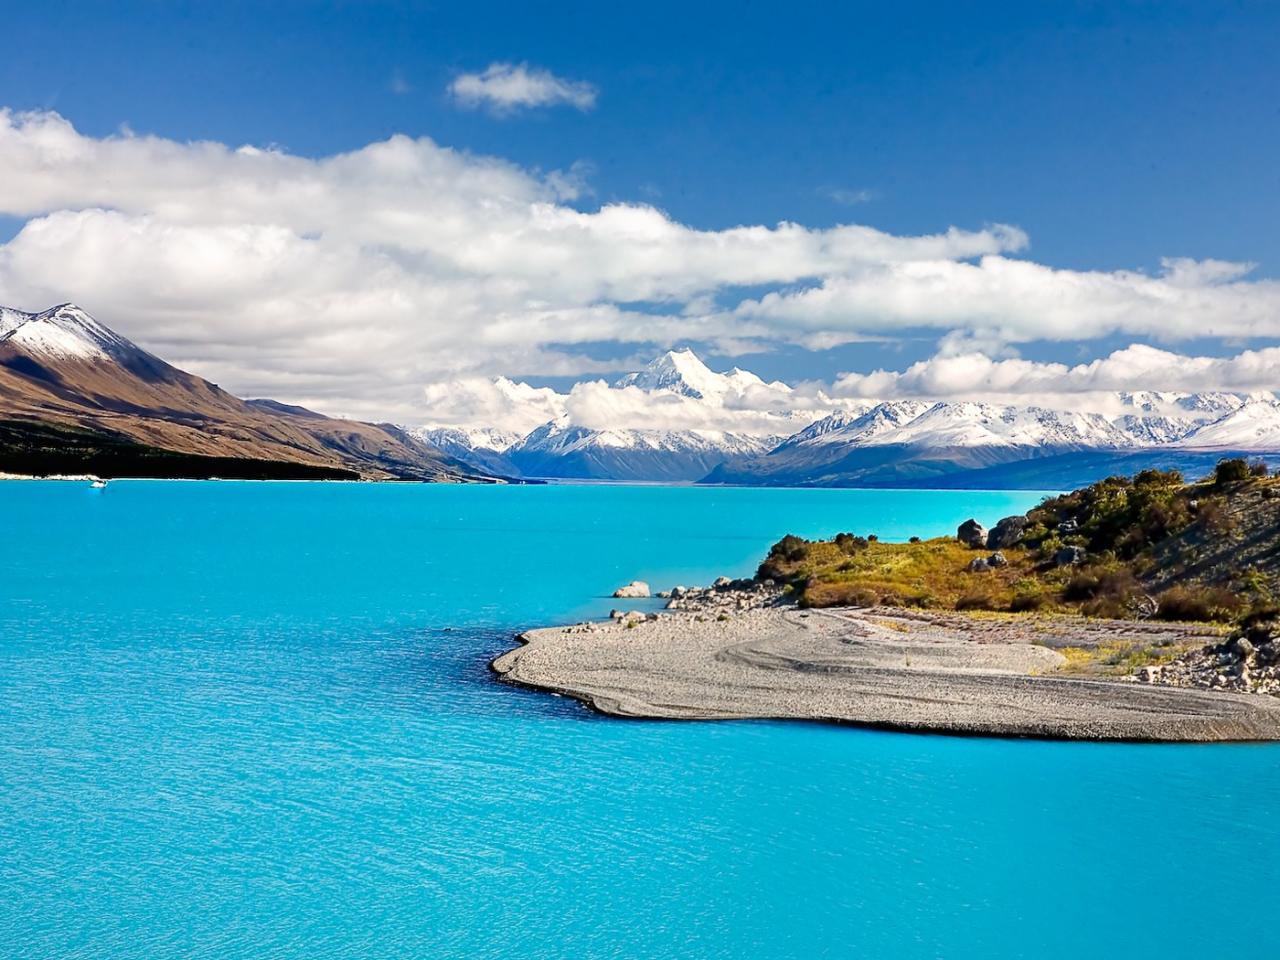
(887, 669)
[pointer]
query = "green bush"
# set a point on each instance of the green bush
(851, 543)
(1234, 470)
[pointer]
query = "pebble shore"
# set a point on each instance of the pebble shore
(725, 652)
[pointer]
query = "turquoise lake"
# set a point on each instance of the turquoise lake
(246, 720)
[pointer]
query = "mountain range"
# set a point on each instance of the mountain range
(908, 442)
(76, 397)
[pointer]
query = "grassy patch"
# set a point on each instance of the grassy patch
(1133, 531)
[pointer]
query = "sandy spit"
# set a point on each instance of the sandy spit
(897, 670)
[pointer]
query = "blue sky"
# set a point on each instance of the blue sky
(1113, 134)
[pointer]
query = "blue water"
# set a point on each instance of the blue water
(255, 720)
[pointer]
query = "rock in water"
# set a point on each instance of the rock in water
(972, 534)
(635, 590)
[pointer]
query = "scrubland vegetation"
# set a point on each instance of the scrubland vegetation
(1147, 546)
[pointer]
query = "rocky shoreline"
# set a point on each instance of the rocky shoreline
(737, 649)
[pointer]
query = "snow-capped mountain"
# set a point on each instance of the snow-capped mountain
(64, 332)
(561, 450)
(76, 396)
(679, 420)
(913, 441)
(680, 371)
(1254, 425)
(481, 448)
(728, 416)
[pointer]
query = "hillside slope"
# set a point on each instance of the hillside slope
(1148, 546)
(63, 371)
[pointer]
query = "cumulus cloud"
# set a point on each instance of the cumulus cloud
(775, 409)
(348, 282)
(506, 87)
(497, 403)
(998, 299)
(1139, 366)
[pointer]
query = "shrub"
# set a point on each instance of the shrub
(1027, 598)
(1255, 584)
(1199, 603)
(1028, 602)
(1233, 470)
(851, 543)
(1110, 607)
(1258, 468)
(975, 601)
(863, 597)
(789, 550)
(1213, 516)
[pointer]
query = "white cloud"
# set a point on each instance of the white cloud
(775, 409)
(1002, 300)
(847, 196)
(1136, 367)
(505, 87)
(348, 282)
(497, 403)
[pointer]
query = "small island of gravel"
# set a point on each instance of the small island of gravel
(898, 669)
(940, 636)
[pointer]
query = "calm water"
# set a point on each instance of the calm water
(254, 720)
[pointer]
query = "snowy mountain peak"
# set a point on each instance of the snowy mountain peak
(455, 439)
(679, 371)
(64, 332)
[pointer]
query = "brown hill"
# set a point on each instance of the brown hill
(74, 394)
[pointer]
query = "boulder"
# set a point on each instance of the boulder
(722, 583)
(1240, 647)
(1069, 556)
(998, 559)
(979, 565)
(1007, 533)
(635, 590)
(1069, 526)
(972, 534)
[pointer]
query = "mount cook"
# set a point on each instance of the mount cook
(774, 434)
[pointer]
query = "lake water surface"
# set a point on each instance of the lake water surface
(248, 720)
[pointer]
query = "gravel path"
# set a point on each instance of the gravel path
(900, 670)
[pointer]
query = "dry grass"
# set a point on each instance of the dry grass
(929, 574)
(1120, 658)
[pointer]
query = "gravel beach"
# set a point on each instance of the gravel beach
(894, 669)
